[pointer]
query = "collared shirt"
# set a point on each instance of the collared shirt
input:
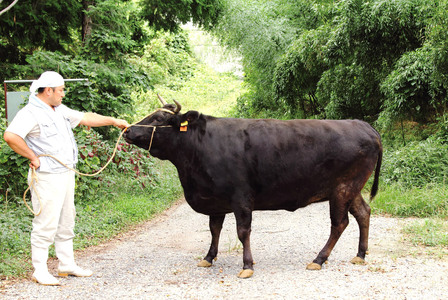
(48, 131)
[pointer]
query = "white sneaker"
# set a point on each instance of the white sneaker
(45, 278)
(76, 271)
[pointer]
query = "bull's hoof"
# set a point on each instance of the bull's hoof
(204, 264)
(358, 261)
(246, 273)
(313, 266)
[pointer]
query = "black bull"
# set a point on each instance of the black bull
(241, 165)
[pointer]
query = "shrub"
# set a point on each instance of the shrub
(416, 164)
(130, 162)
(13, 170)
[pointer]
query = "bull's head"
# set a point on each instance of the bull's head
(158, 131)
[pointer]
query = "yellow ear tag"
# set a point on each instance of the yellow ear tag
(183, 126)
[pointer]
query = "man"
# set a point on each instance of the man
(44, 126)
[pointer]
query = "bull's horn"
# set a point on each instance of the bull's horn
(161, 99)
(178, 107)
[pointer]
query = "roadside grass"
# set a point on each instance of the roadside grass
(428, 205)
(429, 201)
(431, 232)
(15, 229)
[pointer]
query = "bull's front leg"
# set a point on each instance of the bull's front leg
(215, 224)
(244, 222)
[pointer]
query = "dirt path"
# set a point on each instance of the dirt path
(158, 260)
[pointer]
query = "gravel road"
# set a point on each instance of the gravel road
(158, 261)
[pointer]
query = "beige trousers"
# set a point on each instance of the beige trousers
(56, 222)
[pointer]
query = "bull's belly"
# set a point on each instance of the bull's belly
(289, 204)
(218, 206)
(210, 206)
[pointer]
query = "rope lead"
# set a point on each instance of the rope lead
(34, 174)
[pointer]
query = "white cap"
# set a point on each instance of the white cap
(47, 79)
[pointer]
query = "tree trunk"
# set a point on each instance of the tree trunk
(86, 20)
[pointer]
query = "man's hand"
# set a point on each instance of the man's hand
(20, 147)
(35, 163)
(121, 123)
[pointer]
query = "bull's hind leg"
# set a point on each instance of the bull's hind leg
(339, 221)
(243, 223)
(215, 224)
(361, 211)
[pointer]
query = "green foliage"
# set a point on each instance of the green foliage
(417, 164)
(299, 70)
(410, 90)
(15, 229)
(169, 14)
(344, 58)
(13, 170)
(207, 91)
(377, 33)
(167, 58)
(367, 40)
(115, 30)
(132, 162)
(260, 31)
(344, 92)
(30, 25)
(438, 39)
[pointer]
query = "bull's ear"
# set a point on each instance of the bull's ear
(190, 116)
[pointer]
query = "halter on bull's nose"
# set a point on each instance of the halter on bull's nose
(176, 110)
(163, 109)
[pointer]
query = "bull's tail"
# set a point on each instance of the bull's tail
(374, 189)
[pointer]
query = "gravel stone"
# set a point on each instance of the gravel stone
(158, 260)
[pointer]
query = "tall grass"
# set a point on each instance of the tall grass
(420, 202)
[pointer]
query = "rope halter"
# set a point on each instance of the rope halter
(153, 126)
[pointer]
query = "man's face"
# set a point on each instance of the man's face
(55, 95)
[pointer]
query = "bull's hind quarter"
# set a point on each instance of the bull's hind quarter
(240, 165)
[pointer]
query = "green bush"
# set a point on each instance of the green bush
(129, 161)
(417, 164)
(410, 90)
(13, 170)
